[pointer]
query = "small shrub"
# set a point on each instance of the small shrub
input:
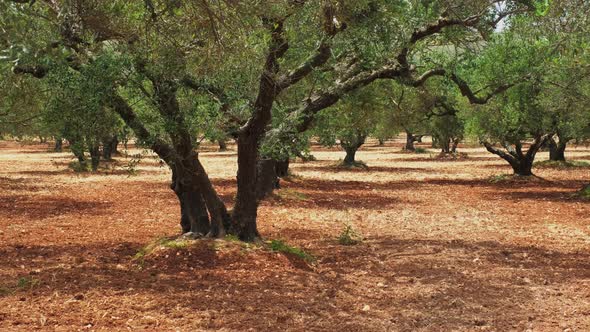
(288, 193)
(500, 178)
(232, 238)
(131, 166)
(349, 237)
(80, 167)
(280, 246)
(4, 291)
(420, 151)
(174, 243)
(27, 282)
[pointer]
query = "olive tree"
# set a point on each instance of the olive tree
(246, 58)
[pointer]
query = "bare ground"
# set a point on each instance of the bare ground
(444, 248)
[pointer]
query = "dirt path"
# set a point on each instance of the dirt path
(444, 249)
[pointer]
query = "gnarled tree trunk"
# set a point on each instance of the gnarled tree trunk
(410, 139)
(267, 178)
(109, 147)
(193, 209)
(522, 163)
(246, 207)
(351, 147)
(557, 149)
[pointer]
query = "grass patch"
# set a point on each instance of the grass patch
(27, 283)
(232, 238)
(500, 178)
(281, 246)
(164, 242)
(353, 165)
(80, 167)
(291, 194)
(585, 192)
(562, 164)
(420, 151)
(4, 291)
(349, 236)
(450, 156)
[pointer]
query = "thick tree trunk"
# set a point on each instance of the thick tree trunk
(282, 168)
(523, 167)
(556, 149)
(350, 155)
(181, 155)
(410, 139)
(193, 209)
(94, 156)
(270, 172)
(222, 145)
(381, 141)
(220, 218)
(245, 209)
(446, 146)
(521, 163)
(267, 178)
(109, 147)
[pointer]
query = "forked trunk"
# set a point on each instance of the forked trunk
(445, 146)
(521, 163)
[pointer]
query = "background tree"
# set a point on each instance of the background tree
(350, 122)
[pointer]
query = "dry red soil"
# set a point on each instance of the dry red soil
(444, 248)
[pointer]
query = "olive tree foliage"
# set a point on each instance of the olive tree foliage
(21, 106)
(185, 64)
(78, 107)
(409, 108)
(350, 122)
(546, 103)
(566, 89)
(505, 124)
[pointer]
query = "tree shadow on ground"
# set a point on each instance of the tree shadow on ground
(18, 184)
(369, 169)
(42, 207)
(407, 284)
